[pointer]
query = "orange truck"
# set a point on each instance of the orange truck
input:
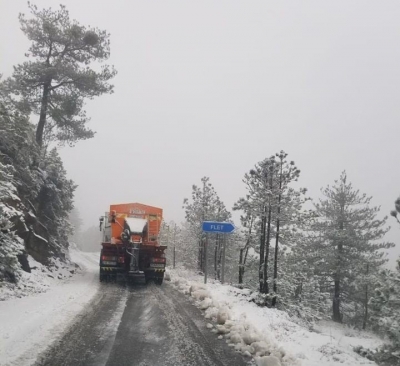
(131, 247)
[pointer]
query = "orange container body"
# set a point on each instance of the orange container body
(153, 215)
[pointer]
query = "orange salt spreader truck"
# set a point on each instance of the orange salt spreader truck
(130, 247)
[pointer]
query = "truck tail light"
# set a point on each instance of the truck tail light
(158, 260)
(107, 258)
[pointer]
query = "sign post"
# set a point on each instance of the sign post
(205, 258)
(221, 228)
(223, 259)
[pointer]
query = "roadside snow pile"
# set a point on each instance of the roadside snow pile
(30, 323)
(267, 334)
(238, 331)
(39, 280)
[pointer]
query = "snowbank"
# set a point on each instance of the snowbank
(269, 336)
(30, 323)
(39, 280)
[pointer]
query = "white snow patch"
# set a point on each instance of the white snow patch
(30, 323)
(268, 334)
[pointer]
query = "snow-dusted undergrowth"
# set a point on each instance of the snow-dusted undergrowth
(39, 280)
(269, 336)
(28, 324)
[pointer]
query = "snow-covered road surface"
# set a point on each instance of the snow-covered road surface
(79, 321)
(29, 324)
(144, 325)
(83, 322)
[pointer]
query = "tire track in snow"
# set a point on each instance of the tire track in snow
(89, 339)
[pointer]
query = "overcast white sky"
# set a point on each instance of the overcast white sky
(209, 88)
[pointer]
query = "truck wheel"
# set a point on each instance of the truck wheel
(159, 280)
(102, 277)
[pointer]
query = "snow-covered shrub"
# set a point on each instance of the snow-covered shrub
(10, 245)
(385, 311)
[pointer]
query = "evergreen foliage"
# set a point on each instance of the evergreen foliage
(10, 245)
(347, 246)
(39, 191)
(36, 197)
(396, 211)
(57, 78)
(205, 205)
(272, 211)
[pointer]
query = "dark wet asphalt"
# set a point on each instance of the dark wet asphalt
(139, 325)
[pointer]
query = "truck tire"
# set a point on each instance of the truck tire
(159, 280)
(102, 277)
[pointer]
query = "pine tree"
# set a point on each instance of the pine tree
(275, 209)
(57, 79)
(385, 311)
(205, 205)
(396, 211)
(347, 231)
(55, 202)
(10, 209)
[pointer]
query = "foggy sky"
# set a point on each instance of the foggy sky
(209, 88)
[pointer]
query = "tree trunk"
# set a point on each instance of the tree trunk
(265, 286)
(365, 319)
(43, 114)
(215, 259)
(275, 285)
(200, 256)
(262, 250)
(241, 266)
(337, 317)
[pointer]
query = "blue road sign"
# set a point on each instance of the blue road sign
(218, 227)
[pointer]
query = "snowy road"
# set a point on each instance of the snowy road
(140, 325)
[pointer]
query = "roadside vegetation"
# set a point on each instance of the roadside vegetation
(42, 107)
(314, 260)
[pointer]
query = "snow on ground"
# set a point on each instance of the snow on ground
(39, 280)
(269, 335)
(29, 323)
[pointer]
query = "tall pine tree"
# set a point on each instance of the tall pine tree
(348, 233)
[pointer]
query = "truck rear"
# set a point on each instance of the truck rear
(130, 248)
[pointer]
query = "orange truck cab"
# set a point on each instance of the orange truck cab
(130, 246)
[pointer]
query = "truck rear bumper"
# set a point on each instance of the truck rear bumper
(111, 269)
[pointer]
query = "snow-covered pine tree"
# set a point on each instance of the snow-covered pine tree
(248, 235)
(205, 205)
(347, 242)
(57, 79)
(260, 204)
(302, 291)
(289, 214)
(275, 208)
(385, 313)
(41, 183)
(55, 201)
(10, 209)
